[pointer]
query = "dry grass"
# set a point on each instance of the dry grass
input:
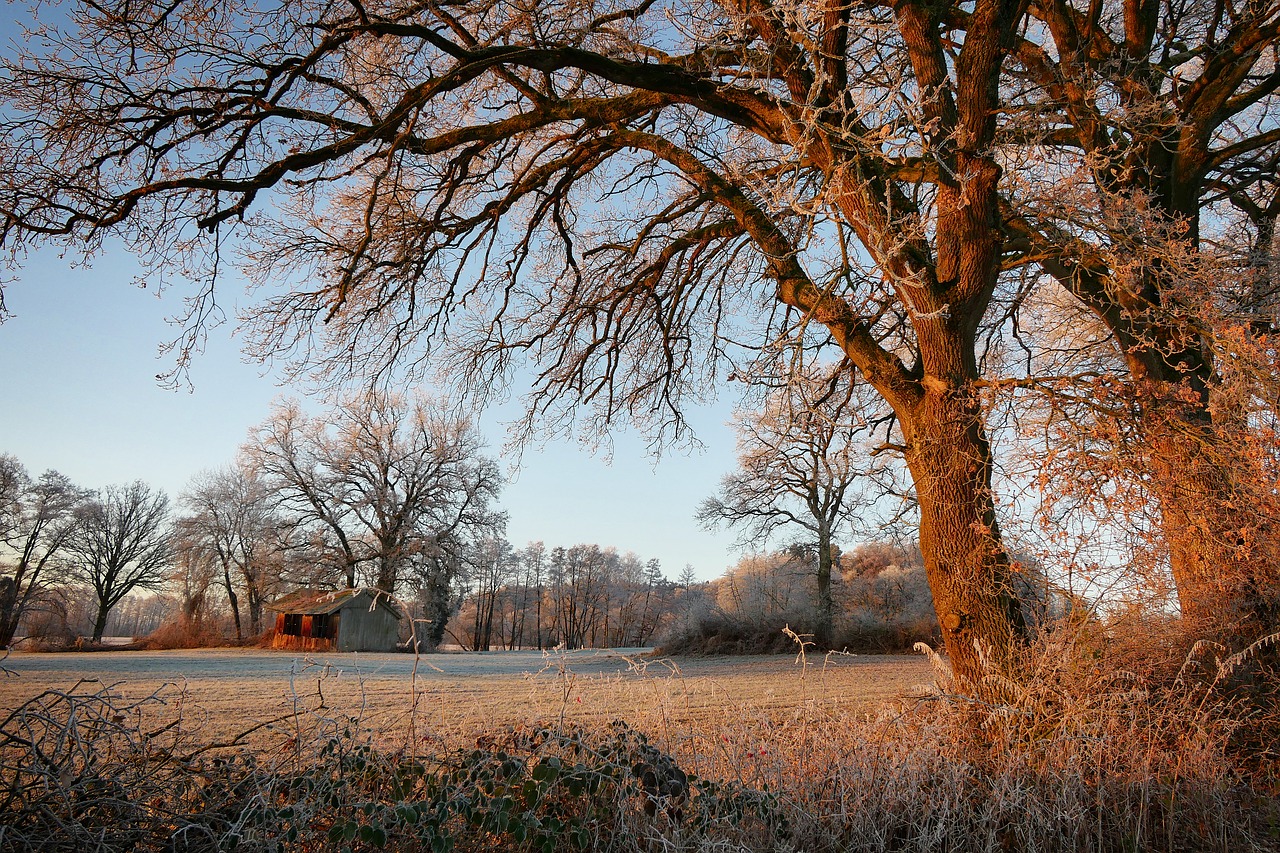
(1074, 755)
(456, 698)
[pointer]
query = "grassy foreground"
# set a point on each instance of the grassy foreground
(1075, 754)
(458, 697)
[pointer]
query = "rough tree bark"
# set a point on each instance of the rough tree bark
(968, 570)
(1161, 113)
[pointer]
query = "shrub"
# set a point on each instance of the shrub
(80, 773)
(716, 632)
(183, 633)
(887, 608)
(47, 628)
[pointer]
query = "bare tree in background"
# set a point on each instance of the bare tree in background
(435, 575)
(580, 596)
(290, 452)
(120, 544)
(619, 193)
(533, 560)
(13, 479)
(196, 567)
(231, 515)
(799, 460)
(577, 583)
(37, 519)
(394, 489)
(493, 565)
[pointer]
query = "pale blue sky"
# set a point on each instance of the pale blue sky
(80, 396)
(79, 363)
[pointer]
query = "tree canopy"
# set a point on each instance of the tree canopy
(635, 198)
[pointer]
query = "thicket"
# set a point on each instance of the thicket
(880, 598)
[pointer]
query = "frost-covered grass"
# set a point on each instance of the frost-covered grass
(1073, 753)
(463, 694)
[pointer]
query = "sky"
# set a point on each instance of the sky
(80, 395)
(78, 365)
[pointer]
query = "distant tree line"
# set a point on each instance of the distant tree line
(381, 491)
(588, 596)
(583, 596)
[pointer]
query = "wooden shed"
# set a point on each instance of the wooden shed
(344, 620)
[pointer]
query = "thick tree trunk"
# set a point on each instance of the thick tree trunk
(823, 630)
(387, 575)
(539, 617)
(437, 604)
(968, 569)
(100, 622)
(255, 612)
(234, 601)
(1217, 513)
(10, 612)
(1218, 517)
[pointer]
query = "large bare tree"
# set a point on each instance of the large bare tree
(620, 192)
(386, 482)
(120, 544)
(1151, 140)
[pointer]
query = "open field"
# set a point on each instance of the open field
(477, 753)
(224, 692)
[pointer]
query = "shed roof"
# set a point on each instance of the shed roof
(310, 601)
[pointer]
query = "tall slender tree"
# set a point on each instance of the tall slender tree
(492, 566)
